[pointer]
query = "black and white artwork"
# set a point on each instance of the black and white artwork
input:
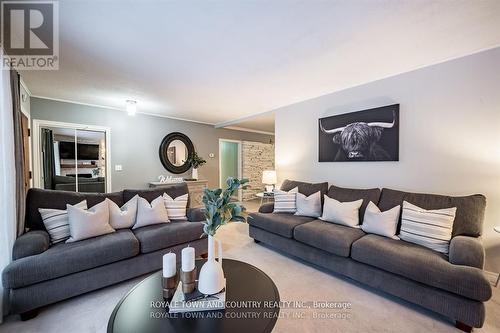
(368, 135)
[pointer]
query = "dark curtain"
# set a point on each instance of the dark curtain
(49, 168)
(18, 151)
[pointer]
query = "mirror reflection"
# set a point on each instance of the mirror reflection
(177, 152)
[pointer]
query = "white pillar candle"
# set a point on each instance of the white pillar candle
(169, 268)
(188, 259)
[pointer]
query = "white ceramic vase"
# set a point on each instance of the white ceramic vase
(194, 174)
(211, 280)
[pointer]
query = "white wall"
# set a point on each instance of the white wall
(449, 135)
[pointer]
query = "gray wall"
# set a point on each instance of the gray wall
(449, 135)
(135, 140)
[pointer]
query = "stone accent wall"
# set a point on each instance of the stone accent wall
(256, 157)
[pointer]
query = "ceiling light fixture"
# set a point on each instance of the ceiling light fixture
(131, 107)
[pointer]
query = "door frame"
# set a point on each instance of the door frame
(38, 124)
(240, 164)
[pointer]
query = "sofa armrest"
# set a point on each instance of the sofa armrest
(467, 251)
(195, 214)
(267, 207)
(30, 243)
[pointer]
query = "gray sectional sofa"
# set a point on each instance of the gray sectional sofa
(453, 286)
(41, 274)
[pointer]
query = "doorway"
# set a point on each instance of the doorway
(230, 163)
(71, 157)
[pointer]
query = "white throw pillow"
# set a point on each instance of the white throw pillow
(345, 213)
(176, 208)
(150, 213)
(309, 206)
(89, 223)
(284, 202)
(56, 222)
(124, 217)
(429, 228)
(381, 223)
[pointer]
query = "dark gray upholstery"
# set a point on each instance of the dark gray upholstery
(329, 237)
(422, 265)
(37, 198)
(448, 304)
(173, 190)
(195, 214)
(160, 236)
(305, 188)
(470, 209)
(51, 291)
(351, 194)
(467, 251)
(268, 207)
(281, 224)
(66, 258)
(30, 243)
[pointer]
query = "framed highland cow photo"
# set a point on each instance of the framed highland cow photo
(368, 135)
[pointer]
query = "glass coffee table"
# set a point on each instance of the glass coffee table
(252, 305)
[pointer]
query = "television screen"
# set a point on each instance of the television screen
(85, 151)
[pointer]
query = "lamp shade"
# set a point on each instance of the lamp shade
(269, 177)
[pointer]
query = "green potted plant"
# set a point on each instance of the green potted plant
(219, 210)
(196, 161)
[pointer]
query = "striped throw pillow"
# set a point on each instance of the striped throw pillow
(176, 208)
(285, 202)
(57, 223)
(429, 228)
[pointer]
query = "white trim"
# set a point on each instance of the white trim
(244, 129)
(122, 110)
(25, 86)
(240, 164)
(38, 123)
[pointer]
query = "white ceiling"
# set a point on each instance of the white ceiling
(217, 61)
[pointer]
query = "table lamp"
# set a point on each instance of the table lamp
(269, 179)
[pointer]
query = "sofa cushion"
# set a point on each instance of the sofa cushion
(161, 236)
(38, 198)
(420, 264)
(67, 258)
(173, 190)
(279, 223)
(305, 188)
(352, 194)
(470, 209)
(326, 236)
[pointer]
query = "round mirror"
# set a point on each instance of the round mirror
(175, 150)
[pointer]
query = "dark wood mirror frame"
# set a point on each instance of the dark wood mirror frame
(164, 156)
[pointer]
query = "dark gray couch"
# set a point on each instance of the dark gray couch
(453, 286)
(41, 274)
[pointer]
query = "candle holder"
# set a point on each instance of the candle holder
(169, 285)
(188, 280)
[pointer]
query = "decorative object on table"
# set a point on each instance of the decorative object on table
(269, 179)
(369, 135)
(181, 302)
(188, 270)
(268, 196)
(174, 152)
(196, 161)
(219, 210)
(169, 278)
(169, 179)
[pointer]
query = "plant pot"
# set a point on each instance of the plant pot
(211, 280)
(194, 174)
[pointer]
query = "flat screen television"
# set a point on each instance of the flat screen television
(85, 151)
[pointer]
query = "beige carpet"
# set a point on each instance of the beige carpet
(371, 311)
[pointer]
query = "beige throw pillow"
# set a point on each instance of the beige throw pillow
(381, 223)
(56, 222)
(345, 213)
(124, 217)
(89, 223)
(176, 208)
(151, 213)
(309, 206)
